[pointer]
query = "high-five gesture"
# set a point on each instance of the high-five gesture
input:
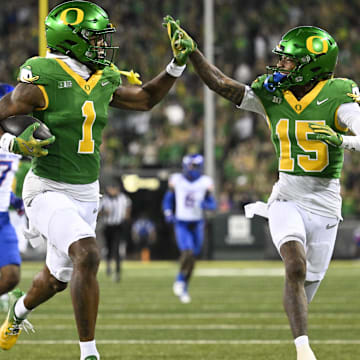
(181, 43)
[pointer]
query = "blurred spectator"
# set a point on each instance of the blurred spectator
(143, 234)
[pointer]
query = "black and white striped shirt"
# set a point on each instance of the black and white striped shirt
(114, 208)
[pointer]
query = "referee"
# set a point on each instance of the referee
(115, 209)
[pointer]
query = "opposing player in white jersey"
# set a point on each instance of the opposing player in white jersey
(10, 259)
(189, 194)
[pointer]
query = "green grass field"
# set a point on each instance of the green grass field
(236, 314)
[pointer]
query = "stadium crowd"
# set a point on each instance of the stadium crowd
(245, 33)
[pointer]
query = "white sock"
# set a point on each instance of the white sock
(301, 340)
(21, 312)
(88, 348)
(303, 349)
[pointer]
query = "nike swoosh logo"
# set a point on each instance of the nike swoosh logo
(322, 101)
(328, 226)
(104, 83)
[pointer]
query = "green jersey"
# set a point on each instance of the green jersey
(288, 118)
(76, 112)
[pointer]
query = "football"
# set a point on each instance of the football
(16, 124)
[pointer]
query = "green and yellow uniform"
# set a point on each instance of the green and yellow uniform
(288, 118)
(76, 111)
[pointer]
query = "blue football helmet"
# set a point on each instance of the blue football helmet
(193, 166)
(4, 89)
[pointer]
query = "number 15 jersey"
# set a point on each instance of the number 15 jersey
(288, 118)
(309, 170)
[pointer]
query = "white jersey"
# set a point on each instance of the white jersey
(9, 163)
(318, 195)
(189, 195)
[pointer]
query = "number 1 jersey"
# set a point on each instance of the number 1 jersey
(76, 112)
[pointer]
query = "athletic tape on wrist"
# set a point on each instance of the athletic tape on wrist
(6, 142)
(175, 70)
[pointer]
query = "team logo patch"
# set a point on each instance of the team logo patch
(64, 84)
(27, 76)
(276, 100)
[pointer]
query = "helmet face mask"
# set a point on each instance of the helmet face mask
(314, 52)
(81, 30)
(193, 166)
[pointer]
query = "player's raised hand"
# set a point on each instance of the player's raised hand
(181, 43)
(327, 134)
(25, 144)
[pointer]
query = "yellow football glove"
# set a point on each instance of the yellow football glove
(182, 44)
(25, 144)
(327, 134)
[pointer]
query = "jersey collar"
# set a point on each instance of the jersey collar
(86, 85)
(300, 105)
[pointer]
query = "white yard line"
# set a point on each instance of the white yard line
(189, 342)
(199, 327)
(240, 272)
(237, 315)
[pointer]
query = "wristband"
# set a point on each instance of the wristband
(175, 70)
(168, 212)
(6, 142)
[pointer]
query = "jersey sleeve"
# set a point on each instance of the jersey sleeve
(112, 74)
(36, 70)
(209, 183)
(346, 89)
(173, 180)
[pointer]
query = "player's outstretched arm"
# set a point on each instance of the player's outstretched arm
(145, 97)
(216, 80)
(210, 74)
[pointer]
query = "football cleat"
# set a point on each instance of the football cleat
(178, 288)
(12, 326)
(91, 357)
(185, 298)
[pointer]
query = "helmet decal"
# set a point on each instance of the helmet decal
(312, 45)
(79, 16)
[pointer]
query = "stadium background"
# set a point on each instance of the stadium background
(144, 148)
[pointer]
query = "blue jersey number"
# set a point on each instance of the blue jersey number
(190, 200)
(5, 167)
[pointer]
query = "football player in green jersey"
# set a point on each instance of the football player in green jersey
(308, 111)
(70, 90)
